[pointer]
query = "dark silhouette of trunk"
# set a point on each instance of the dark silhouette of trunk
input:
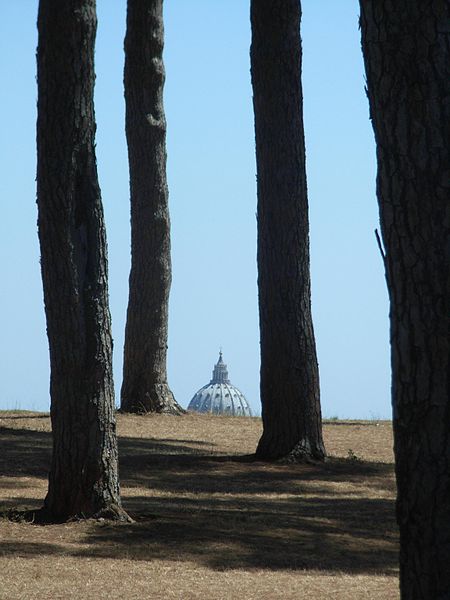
(145, 387)
(406, 48)
(83, 479)
(289, 372)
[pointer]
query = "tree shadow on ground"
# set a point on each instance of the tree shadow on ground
(16, 417)
(24, 452)
(229, 512)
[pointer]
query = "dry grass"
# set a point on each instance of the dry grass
(210, 523)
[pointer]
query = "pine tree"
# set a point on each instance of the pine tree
(289, 371)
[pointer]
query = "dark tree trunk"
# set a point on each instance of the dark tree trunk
(145, 387)
(289, 372)
(83, 479)
(406, 48)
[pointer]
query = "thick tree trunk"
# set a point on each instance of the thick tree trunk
(145, 387)
(83, 479)
(289, 372)
(406, 48)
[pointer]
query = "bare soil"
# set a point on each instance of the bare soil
(209, 521)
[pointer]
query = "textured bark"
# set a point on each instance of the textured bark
(289, 372)
(406, 48)
(145, 387)
(83, 479)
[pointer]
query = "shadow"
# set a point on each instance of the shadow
(19, 504)
(232, 512)
(183, 441)
(329, 535)
(16, 417)
(24, 452)
(228, 512)
(14, 484)
(132, 448)
(226, 474)
(29, 549)
(350, 423)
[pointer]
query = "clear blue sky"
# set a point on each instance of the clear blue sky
(211, 170)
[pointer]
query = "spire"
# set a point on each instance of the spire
(220, 372)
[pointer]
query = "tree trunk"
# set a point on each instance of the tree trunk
(83, 479)
(289, 372)
(145, 387)
(406, 48)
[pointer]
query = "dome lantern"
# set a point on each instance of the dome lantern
(220, 372)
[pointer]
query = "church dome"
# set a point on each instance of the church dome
(219, 396)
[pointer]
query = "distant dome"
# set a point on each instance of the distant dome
(219, 396)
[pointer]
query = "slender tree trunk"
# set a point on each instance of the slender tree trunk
(145, 387)
(83, 478)
(406, 48)
(289, 372)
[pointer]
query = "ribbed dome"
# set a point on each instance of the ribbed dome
(219, 396)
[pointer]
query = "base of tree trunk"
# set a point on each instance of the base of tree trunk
(43, 516)
(113, 513)
(301, 453)
(158, 399)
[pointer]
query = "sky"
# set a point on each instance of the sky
(212, 186)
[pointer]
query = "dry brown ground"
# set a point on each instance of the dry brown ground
(209, 523)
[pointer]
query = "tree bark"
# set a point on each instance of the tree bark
(289, 371)
(83, 479)
(406, 47)
(145, 387)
